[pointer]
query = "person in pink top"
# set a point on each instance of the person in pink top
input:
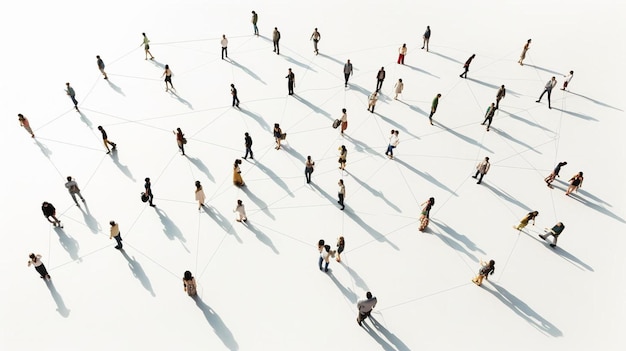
(24, 123)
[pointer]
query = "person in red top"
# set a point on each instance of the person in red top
(180, 140)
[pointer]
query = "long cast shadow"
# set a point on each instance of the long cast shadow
(415, 108)
(371, 231)
(400, 346)
(332, 59)
(224, 223)
(85, 120)
(421, 71)
(595, 101)
(122, 167)
(170, 229)
(360, 146)
(530, 123)
(596, 207)
(312, 106)
(524, 311)
(258, 202)
(566, 255)
(504, 195)
(463, 137)
(91, 222)
(222, 331)
(488, 85)
(426, 176)
(58, 300)
(157, 64)
(274, 177)
(247, 71)
(293, 152)
(457, 238)
(262, 237)
(181, 100)
(360, 89)
(298, 63)
(68, 243)
(349, 294)
(260, 120)
(445, 57)
(576, 114)
(545, 70)
(44, 149)
(356, 277)
(375, 192)
(115, 87)
(201, 167)
(515, 140)
(138, 272)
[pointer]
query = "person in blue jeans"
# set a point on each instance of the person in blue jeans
(394, 140)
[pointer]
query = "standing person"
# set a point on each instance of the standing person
(341, 245)
(347, 72)
(167, 73)
(24, 123)
(491, 110)
(466, 66)
(316, 36)
(275, 40)
(365, 307)
(148, 191)
(394, 140)
(146, 46)
(548, 89)
(574, 183)
(278, 135)
(524, 222)
(189, 284)
(240, 211)
(522, 56)
(344, 120)
(341, 193)
(433, 108)
(555, 173)
(568, 78)
(398, 88)
(72, 94)
(199, 193)
(72, 187)
(401, 54)
(482, 168)
(426, 38)
(248, 144)
(224, 43)
(180, 140)
(105, 140)
(35, 260)
(500, 95)
(255, 19)
(554, 232)
(50, 212)
(237, 180)
(101, 66)
(343, 155)
(485, 270)
(291, 81)
(325, 255)
(115, 234)
(425, 214)
(380, 77)
(309, 167)
(233, 92)
(371, 101)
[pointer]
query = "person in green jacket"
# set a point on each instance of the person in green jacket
(433, 108)
(255, 18)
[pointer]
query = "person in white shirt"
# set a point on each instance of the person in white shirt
(394, 140)
(548, 89)
(568, 78)
(365, 307)
(398, 88)
(240, 212)
(224, 43)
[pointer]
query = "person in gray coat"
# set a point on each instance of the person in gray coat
(365, 307)
(72, 187)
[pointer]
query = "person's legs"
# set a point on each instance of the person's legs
(320, 262)
(480, 178)
(549, 94)
(118, 238)
(541, 96)
(74, 198)
(347, 76)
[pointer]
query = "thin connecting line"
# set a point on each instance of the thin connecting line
(423, 297)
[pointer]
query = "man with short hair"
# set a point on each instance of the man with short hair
(365, 307)
(72, 187)
(275, 40)
(101, 66)
(482, 168)
(433, 108)
(548, 89)
(554, 232)
(224, 43)
(347, 72)
(115, 234)
(380, 77)
(316, 36)
(248, 143)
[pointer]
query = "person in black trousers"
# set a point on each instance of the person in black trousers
(291, 81)
(466, 66)
(233, 92)
(248, 143)
(275, 40)
(341, 194)
(380, 77)
(148, 191)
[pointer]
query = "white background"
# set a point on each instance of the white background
(259, 285)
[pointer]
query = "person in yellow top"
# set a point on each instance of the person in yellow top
(146, 46)
(115, 233)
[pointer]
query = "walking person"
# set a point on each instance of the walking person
(365, 307)
(50, 212)
(237, 180)
(325, 254)
(394, 140)
(344, 121)
(105, 140)
(275, 40)
(371, 101)
(101, 66)
(248, 144)
(167, 73)
(398, 88)
(341, 245)
(548, 89)
(278, 135)
(500, 95)
(524, 222)
(233, 92)
(180, 140)
(491, 110)
(426, 38)
(35, 260)
(255, 19)
(554, 232)
(189, 284)
(555, 173)
(568, 78)
(481, 169)
(522, 56)
(72, 187)
(115, 234)
(343, 155)
(466, 66)
(341, 193)
(224, 43)
(574, 183)
(148, 191)
(199, 194)
(309, 167)
(24, 123)
(316, 36)
(240, 212)
(401, 54)
(347, 72)
(72, 94)
(380, 78)
(146, 46)
(425, 214)
(433, 108)
(485, 270)
(291, 81)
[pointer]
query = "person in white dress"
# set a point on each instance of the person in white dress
(240, 212)
(200, 197)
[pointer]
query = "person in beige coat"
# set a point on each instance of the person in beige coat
(240, 212)
(115, 234)
(371, 102)
(398, 88)
(481, 169)
(200, 197)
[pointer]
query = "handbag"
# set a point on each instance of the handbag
(283, 136)
(184, 141)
